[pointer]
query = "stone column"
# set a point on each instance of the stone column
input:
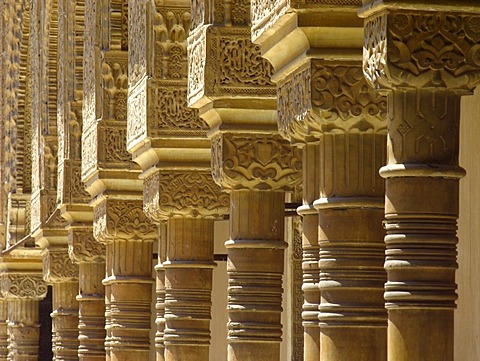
(311, 274)
(23, 292)
(59, 270)
(324, 99)
(189, 201)
(230, 84)
(129, 237)
(427, 59)
(90, 257)
(112, 179)
(257, 169)
(169, 142)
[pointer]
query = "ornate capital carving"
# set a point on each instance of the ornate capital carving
(116, 219)
(23, 285)
(413, 49)
(193, 193)
(82, 246)
(255, 161)
(329, 97)
(57, 266)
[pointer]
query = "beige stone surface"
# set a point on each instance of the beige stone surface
(467, 315)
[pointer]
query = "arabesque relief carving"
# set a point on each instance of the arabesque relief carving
(189, 193)
(425, 50)
(242, 161)
(82, 246)
(58, 267)
(23, 286)
(116, 220)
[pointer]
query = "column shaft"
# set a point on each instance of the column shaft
(310, 248)
(421, 214)
(129, 288)
(188, 288)
(255, 269)
(352, 315)
(65, 321)
(23, 330)
(91, 301)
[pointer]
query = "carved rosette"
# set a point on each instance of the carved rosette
(255, 161)
(23, 285)
(192, 193)
(58, 267)
(406, 49)
(82, 246)
(122, 220)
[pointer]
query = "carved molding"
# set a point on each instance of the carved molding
(21, 285)
(122, 220)
(192, 193)
(415, 49)
(255, 161)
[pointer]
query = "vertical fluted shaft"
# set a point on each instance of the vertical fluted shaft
(3, 329)
(255, 270)
(23, 329)
(91, 315)
(188, 288)
(352, 315)
(310, 248)
(65, 321)
(421, 212)
(129, 288)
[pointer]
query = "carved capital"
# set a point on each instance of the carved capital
(82, 246)
(415, 49)
(324, 97)
(23, 285)
(57, 266)
(255, 161)
(193, 193)
(116, 219)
